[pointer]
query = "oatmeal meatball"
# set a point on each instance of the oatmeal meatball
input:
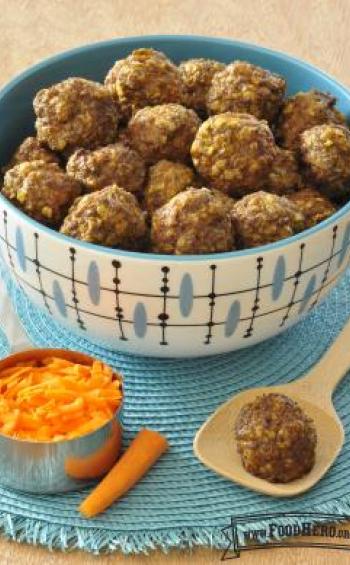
(243, 87)
(234, 152)
(110, 217)
(163, 132)
(275, 438)
(194, 221)
(42, 190)
(145, 78)
(32, 150)
(325, 150)
(226, 201)
(112, 164)
(315, 206)
(262, 218)
(303, 111)
(197, 75)
(75, 113)
(165, 180)
(284, 176)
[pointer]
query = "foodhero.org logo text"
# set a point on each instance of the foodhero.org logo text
(294, 529)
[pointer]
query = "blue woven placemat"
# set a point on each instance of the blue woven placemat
(180, 503)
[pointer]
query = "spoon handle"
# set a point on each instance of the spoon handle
(323, 378)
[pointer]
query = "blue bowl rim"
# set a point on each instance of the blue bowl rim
(153, 256)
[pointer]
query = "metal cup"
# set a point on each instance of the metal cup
(57, 466)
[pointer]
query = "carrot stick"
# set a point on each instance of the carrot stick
(141, 454)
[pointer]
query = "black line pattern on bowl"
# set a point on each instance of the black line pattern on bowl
(256, 304)
(164, 316)
(326, 271)
(38, 272)
(119, 315)
(297, 276)
(199, 325)
(211, 297)
(75, 299)
(166, 295)
(175, 296)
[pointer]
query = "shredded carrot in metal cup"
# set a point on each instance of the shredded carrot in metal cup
(55, 399)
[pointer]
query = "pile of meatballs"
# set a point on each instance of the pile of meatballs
(196, 158)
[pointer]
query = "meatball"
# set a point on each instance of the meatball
(163, 132)
(75, 113)
(262, 218)
(275, 438)
(234, 152)
(112, 164)
(32, 150)
(110, 217)
(194, 221)
(303, 111)
(145, 78)
(243, 87)
(42, 190)
(226, 201)
(284, 176)
(197, 75)
(165, 180)
(325, 150)
(315, 206)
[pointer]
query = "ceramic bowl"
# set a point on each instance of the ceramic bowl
(160, 305)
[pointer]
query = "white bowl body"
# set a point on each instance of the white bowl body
(165, 306)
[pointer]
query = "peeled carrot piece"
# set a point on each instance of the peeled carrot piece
(143, 452)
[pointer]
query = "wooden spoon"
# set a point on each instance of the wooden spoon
(215, 446)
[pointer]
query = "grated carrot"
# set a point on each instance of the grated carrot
(56, 399)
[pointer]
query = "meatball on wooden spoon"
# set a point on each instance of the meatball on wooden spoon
(226, 441)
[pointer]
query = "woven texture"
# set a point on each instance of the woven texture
(180, 503)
